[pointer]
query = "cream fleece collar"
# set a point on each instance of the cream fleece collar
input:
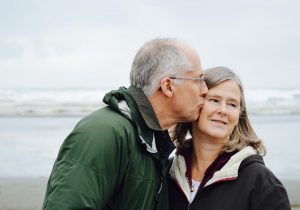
(228, 172)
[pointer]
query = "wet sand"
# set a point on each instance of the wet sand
(18, 193)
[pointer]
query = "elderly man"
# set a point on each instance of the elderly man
(117, 157)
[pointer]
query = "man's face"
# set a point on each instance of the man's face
(189, 96)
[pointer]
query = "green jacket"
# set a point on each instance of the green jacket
(111, 159)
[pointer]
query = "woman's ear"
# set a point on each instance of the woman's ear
(166, 86)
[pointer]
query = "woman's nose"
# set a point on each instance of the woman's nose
(222, 109)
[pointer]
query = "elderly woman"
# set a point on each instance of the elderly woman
(221, 166)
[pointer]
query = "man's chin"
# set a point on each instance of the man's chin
(196, 117)
(201, 107)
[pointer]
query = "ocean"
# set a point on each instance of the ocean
(34, 123)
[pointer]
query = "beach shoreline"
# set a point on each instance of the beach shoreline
(27, 193)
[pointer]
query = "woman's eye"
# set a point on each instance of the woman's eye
(233, 105)
(213, 100)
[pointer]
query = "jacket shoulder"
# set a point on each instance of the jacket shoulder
(103, 116)
(254, 166)
(104, 133)
(267, 190)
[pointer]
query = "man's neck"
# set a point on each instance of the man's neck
(162, 111)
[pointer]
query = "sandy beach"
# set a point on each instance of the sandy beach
(27, 193)
(22, 193)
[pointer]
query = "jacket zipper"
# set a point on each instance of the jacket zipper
(201, 190)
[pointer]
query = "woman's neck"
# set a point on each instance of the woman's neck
(205, 152)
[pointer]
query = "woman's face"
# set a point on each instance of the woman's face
(221, 111)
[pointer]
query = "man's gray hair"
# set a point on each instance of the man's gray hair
(155, 60)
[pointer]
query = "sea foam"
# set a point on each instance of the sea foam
(80, 102)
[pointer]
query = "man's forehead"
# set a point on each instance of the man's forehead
(194, 72)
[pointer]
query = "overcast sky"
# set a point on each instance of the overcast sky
(83, 43)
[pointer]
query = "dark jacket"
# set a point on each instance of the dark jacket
(111, 159)
(243, 183)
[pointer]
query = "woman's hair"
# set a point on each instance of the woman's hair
(243, 133)
(155, 60)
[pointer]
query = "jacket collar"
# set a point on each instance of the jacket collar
(145, 108)
(229, 171)
(134, 105)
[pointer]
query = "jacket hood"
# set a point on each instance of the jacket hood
(251, 159)
(231, 168)
(134, 105)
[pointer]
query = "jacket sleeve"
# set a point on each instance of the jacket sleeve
(269, 193)
(88, 169)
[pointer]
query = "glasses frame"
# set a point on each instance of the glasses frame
(200, 78)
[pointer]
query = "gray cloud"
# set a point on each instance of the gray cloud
(76, 43)
(10, 50)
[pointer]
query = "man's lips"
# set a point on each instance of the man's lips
(201, 105)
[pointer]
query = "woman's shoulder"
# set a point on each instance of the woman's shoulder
(253, 167)
(265, 185)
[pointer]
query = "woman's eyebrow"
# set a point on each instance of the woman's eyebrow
(214, 95)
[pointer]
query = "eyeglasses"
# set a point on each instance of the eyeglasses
(200, 79)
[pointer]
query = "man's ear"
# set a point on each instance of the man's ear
(166, 86)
